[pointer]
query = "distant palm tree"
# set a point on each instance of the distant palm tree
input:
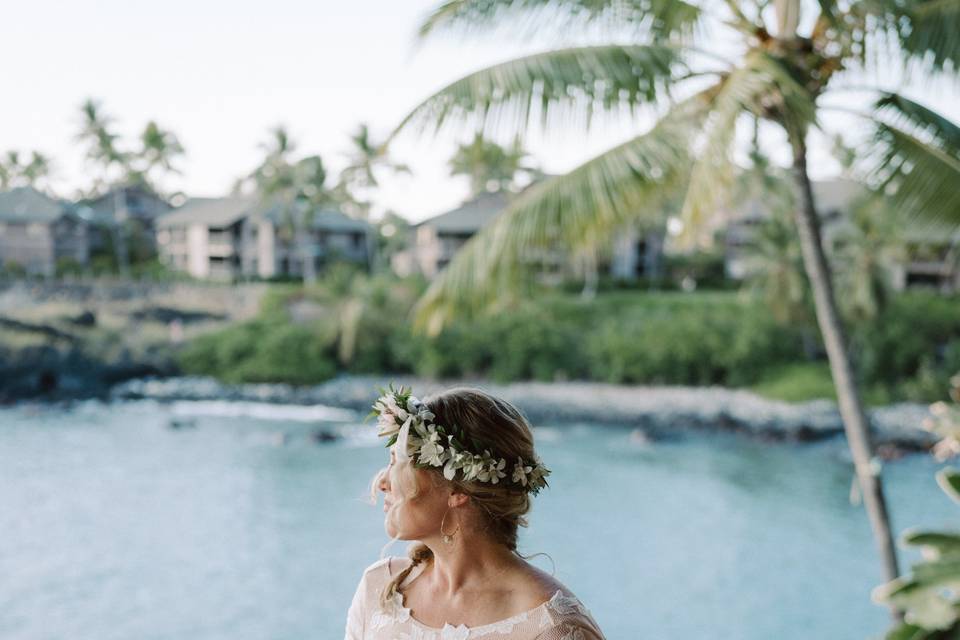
(114, 165)
(777, 72)
(866, 251)
(159, 149)
(103, 151)
(16, 173)
(490, 166)
(365, 159)
(299, 188)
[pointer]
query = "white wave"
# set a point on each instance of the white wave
(262, 410)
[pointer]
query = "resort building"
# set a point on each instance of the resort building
(237, 237)
(38, 232)
(833, 197)
(437, 240)
(135, 206)
(931, 258)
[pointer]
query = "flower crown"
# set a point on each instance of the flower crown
(404, 418)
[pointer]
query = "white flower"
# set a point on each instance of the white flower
(387, 425)
(520, 472)
(472, 467)
(496, 471)
(431, 451)
(455, 461)
(491, 470)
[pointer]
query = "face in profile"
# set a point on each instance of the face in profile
(413, 501)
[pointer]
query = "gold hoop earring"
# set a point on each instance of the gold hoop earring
(447, 537)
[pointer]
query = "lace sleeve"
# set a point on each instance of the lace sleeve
(571, 631)
(356, 615)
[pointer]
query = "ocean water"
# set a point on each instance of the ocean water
(238, 525)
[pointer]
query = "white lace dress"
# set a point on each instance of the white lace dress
(562, 617)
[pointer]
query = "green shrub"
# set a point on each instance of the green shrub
(626, 337)
(911, 345)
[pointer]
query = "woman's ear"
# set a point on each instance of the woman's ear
(457, 499)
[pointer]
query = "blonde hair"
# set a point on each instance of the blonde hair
(494, 424)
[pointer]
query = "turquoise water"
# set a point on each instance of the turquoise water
(115, 526)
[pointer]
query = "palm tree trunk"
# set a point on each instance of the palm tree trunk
(120, 232)
(308, 270)
(855, 421)
(590, 275)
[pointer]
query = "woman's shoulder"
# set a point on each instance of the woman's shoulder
(385, 568)
(566, 617)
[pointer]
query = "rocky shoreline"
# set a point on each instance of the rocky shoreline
(656, 412)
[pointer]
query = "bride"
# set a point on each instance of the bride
(462, 472)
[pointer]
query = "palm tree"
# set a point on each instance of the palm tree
(778, 73)
(16, 173)
(489, 166)
(299, 188)
(102, 144)
(159, 150)
(114, 165)
(365, 159)
(866, 251)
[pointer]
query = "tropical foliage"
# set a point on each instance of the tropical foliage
(118, 165)
(16, 171)
(656, 65)
(145, 161)
(367, 159)
(930, 595)
(296, 188)
(490, 166)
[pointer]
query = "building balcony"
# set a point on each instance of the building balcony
(221, 249)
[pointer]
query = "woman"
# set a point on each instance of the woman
(462, 470)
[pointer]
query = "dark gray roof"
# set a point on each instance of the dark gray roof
(471, 216)
(323, 219)
(213, 212)
(141, 202)
(223, 212)
(26, 204)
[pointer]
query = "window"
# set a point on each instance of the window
(35, 229)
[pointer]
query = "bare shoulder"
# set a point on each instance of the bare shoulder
(535, 586)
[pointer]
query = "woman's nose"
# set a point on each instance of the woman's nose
(384, 484)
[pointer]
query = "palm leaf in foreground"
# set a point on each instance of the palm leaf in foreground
(573, 82)
(663, 19)
(760, 84)
(568, 212)
(917, 159)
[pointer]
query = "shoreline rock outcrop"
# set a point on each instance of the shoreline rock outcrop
(659, 412)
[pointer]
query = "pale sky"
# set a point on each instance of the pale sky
(220, 74)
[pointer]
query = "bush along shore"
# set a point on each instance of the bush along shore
(360, 325)
(654, 412)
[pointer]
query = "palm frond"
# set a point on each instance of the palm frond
(903, 111)
(932, 34)
(763, 87)
(565, 213)
(663, 19)
(575, 82)
(916, 160)
(922, 32)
